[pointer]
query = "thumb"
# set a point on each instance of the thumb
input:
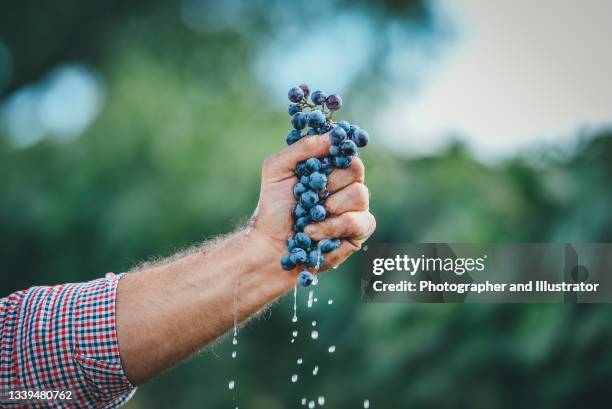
(285, 161)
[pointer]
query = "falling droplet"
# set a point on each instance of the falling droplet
(321, 400)
(292, 340)
(310, 298)
(366, 404)
(311, 404)
(294, 378)
(314, 323)
(234, 353)
(331, 349)
(231, 384)
(335, 267)
(315, 370)
(294, 319)
(316, 299)
(330, 301)
(303, 401)
(294, 333)
(314, 334)
(299, 361)
(235, 341)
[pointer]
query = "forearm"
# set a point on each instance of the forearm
(168, 311)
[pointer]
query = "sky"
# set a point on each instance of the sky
(519, 74)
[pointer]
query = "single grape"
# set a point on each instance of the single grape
(315, 258)
(287, 263)
(295, 94)
(325, 128)
(337, 135)
(334, 150)
(313, 164)
(352, 130)
(328, 245)
(334, 102)
(299, 189)
(305, 89)
(305, 278)
(344, 125)
(299, 211)
(318, 213)
(293, 108)
(305, 180)
(327, 166)
(301, 169)
(298, 256)
(309, 199)
(342, 162)
(318, 97)
(348, 148)
(360, 137)
(302, 240)
(316, 119)
(317, 181)
(312, 131)
(299, 120)
(293, 136)
(290, 244)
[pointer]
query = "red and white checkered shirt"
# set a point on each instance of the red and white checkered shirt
(63, 338)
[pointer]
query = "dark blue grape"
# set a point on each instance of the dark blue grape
(293, 108)
(344, 125)
(299, 211)
(299, 189)
(305, 278)
(325, 128)
(305, 180)
(299, 120)
(337, 135)
(293, 136)
(327, 165)
(317, 181)
(334, 150)
(318, 213)
(352, 130)
(342, 162)
(300, 169)
(305, 89)
(315, 259)
(298, 256)
(312, 131)
(360, 137)
(301, 223)
(287, 263)
(302, 240)
(348, 148)
(318, 97)
(334, 102)
(295, 94)
(309, 199)
(290, 244)
(328, 245)
(313, 164)
(316, 119)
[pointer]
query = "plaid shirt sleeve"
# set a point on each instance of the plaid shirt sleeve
(64, 338)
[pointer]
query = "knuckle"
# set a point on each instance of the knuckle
(371, 223)
(269, 162)
(362, 196)
(358, 169)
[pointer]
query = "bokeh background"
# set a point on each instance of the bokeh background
(129, 130)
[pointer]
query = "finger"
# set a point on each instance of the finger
(286, 160)
(350, 225)
(340, 178)
(353, 198)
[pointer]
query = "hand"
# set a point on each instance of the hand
(348, 215)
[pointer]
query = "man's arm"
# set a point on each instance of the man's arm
(168, 311)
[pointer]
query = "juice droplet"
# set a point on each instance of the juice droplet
(235, 341)
(366, 404)
(310, 293)
(234, 353)
(231, 384)
(292, 340)
(315, 370)
(294, 319)
(311, 404)
(315, 299)
(331, 349)
(294, 378)
(314, 323)
(314, 334)
(303, 401)
(330, 301)
(321, 400)
(299, 361)
(294, 333)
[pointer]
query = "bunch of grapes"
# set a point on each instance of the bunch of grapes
(311, 191)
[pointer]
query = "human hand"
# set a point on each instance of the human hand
(348, 216)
